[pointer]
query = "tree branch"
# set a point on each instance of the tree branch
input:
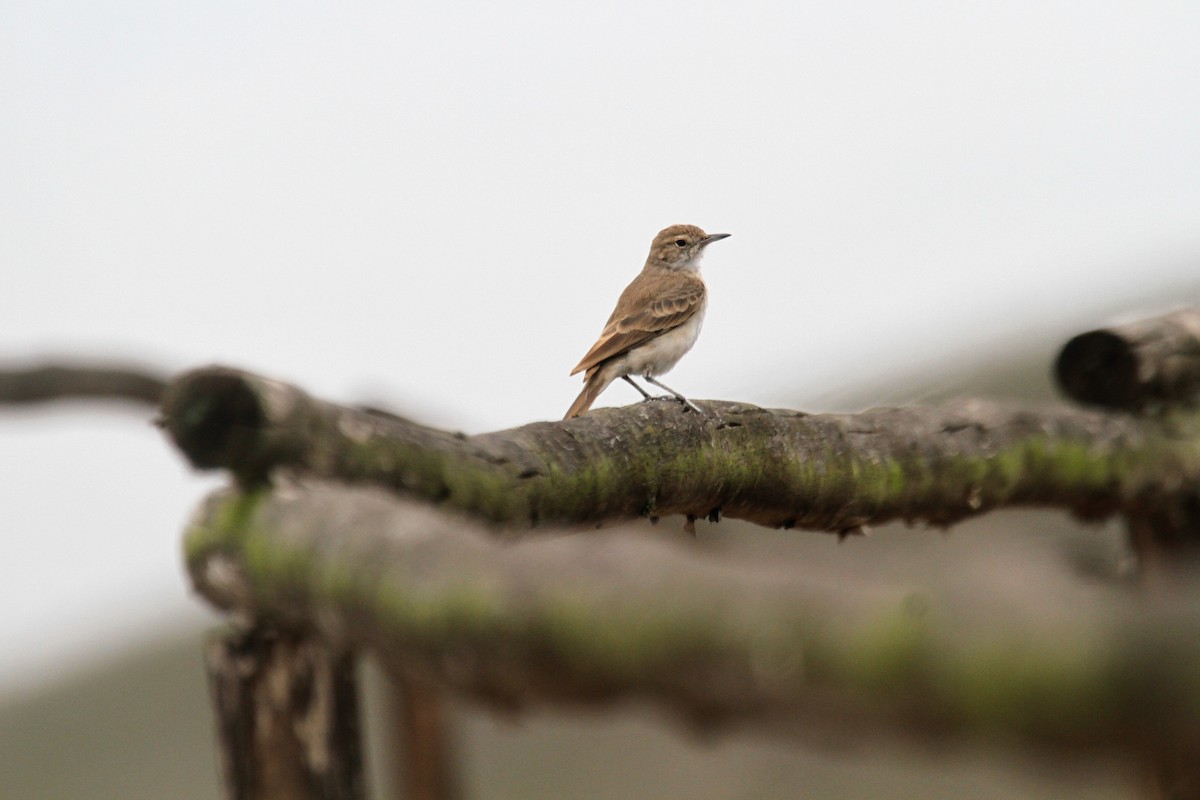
(596, 621)
(70, 381)
(831, 472)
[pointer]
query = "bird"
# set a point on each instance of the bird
(656, 321)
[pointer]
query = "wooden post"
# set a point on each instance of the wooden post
(287, 716)
(423, 741)
(1166, 539)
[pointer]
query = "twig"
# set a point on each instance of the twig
(79, 382)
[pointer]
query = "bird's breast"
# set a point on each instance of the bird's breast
(658, 355)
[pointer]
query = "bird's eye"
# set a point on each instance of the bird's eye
(681, 242)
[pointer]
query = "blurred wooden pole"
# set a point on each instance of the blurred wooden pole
(423, 742)
(1166, 539)
(287, 717)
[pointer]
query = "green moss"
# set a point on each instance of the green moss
(418, 469)
(1007, 468)
(890, 653)
(894, 478)
(620, 645)
(227, 526)
(589, 493)
(408, 611)
(339, 584)
(1064, 463)
(274, 568)
(486, 491)
(1008, 685)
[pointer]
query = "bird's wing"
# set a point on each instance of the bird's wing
(649, 317)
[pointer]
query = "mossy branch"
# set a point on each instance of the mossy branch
(411, 574)
(832, 472)
(597, 620)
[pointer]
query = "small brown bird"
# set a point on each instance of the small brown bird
(656, 321)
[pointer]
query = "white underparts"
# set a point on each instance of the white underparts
(660, 354)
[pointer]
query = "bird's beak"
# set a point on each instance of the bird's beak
(713, 237)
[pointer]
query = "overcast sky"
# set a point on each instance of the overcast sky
(434, 207)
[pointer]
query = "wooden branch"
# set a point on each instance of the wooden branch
(590, 620)
(778, 468)
(287, 716)
(1139, 366)
(74, 382)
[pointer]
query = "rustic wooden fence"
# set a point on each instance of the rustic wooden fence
(349, 530)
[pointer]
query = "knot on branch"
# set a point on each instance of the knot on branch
(216, 418)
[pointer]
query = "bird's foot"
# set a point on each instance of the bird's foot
(683, 401)
(688, 405)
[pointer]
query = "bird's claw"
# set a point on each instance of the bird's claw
(688, 405)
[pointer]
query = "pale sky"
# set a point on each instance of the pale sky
(435, 206)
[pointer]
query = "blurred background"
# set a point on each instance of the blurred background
(433, 207)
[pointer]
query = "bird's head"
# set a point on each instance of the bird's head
(680, 247)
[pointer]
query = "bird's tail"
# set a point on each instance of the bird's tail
(595, 381)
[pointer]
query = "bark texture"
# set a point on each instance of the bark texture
(287, 716)
(778, 468)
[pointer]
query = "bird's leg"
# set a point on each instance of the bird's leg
(678, 396)
(645, 394)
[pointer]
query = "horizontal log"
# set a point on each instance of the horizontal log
(830, 472)
(601, 620)
(1135, 367)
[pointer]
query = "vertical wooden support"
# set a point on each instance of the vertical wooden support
(421, 726)
(1172, 777)
(287, 716)
(1166, 539)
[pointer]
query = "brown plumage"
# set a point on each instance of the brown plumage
(657, 318)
